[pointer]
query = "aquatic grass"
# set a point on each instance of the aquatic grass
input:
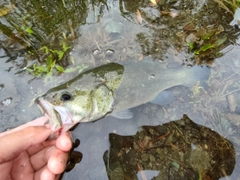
(43, 29)
(205, 43)
(51, 62)
(229, 5)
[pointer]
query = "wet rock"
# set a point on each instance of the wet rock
(109, 52)
(7, 102)
(96, 52)
(151, 13)
(161, 2)
(199, 159)
(144, 157)
(152, 158)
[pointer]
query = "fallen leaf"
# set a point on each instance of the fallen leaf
(189, 27)
(139, 17)
(140, 58)
(5, 10)
(153, 1)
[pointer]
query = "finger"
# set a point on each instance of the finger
(37, 122)
(5, 170)
(40, 159)
(22, 168)
(57, 176)
(44, 173)
(21, 140)
(64, 142)
(38, 147)
(57, 162)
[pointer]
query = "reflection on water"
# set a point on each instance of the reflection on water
(110, 32)
(178, 149)
(74, 156)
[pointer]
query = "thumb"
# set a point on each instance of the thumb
(14, 143)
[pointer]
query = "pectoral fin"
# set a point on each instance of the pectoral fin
(126, 114)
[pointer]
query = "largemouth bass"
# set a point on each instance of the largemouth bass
(110, 89)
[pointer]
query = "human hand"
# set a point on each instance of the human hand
(25, 153)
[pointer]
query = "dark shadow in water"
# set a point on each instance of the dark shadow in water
(74, 157)
(176, 150)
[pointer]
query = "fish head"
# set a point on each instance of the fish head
(67, 107)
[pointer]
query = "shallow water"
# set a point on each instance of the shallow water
(113, 33)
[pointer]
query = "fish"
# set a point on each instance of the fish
(112, 89)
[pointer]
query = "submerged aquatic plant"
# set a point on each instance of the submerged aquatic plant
(52, 57)
(229, 5)
(44, 30)
(205, 43)
(208, 46)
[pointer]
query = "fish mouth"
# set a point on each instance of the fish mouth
(57, 115)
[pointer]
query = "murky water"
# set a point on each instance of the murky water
(113, 31)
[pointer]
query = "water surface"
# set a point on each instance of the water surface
(112, 31)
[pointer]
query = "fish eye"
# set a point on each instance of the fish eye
(65, 97)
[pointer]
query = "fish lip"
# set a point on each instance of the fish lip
(62, 112)
(44, 105)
